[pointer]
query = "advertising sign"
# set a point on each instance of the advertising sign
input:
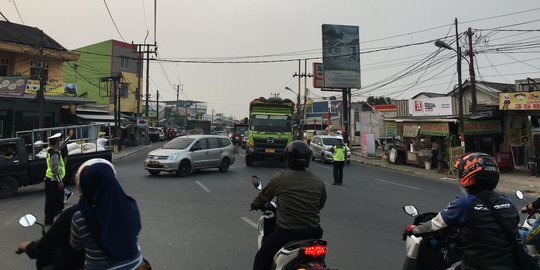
(341, 56)
(318, 75)
(519, 101)
(521, 135)
(52, 88)
(482, 127)
(410, 129)
(391, 130)
(431, 106)
(12, 86)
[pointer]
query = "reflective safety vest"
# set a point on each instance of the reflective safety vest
(61, 167)
(339, 153)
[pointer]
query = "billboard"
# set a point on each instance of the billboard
(12, 86)
(519, 101)
(341, 56)
(431, 106)
(52, 88)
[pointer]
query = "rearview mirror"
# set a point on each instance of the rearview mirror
(519, 194)
(27, 220)
(410, 210)
(257, 183)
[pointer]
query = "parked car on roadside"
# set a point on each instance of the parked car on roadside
(320, 147)
(187, 153)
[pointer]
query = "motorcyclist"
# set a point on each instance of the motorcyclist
(532, 236)
(483, 242)
(300, 197)
(53, 251)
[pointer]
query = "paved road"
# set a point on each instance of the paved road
(203, 221)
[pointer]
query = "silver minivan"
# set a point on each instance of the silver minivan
(187, 153)
(320, 147)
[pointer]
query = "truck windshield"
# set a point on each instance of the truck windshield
(178, 143)
(271, 123)
(240, 130)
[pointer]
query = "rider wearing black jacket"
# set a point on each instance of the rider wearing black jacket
(484, 244)
(53, 249)
(300, 197)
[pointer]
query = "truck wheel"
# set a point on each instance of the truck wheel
(224, 166)
(153, 172)
(8, 186)
(249, 161)
(184, 168)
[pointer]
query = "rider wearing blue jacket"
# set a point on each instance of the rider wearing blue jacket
(483, 242)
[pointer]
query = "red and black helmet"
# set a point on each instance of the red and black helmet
(477, 171)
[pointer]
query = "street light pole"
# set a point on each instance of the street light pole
(442, 44)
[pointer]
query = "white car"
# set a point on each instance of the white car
(187, 153)
(320, 147)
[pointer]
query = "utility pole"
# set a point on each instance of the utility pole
(471, 73)
(139, 75)
(300, 75)
(157, 107)
(42, 83)
(141, 49)
(460, 89)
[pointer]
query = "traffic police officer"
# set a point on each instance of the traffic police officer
(54, 187)
(339, 151)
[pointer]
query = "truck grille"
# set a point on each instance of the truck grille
(270, 143)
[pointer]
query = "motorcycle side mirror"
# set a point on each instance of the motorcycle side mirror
(519, 194)
(410, 210)
(27, 220)
(257, 183)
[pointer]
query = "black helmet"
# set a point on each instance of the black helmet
(477, 172)
(297, 155)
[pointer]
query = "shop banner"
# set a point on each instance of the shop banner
(478, 127)
(12, 86)
(434, 129)
(520, 136)
(410, 129)
(431, 106)
(52, 88)
(519, 101)
(455, 153)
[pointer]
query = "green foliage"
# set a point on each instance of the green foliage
(375, 101)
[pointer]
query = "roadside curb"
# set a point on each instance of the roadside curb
(127, 154)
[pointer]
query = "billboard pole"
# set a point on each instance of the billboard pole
(345, 114)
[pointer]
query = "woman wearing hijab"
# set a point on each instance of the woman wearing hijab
(108, 222)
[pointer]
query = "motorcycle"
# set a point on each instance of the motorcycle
(29, 220)
(434, 250)
(308, 254)
(534, 165)
(528, 223)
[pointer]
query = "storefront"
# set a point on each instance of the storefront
(486, 136)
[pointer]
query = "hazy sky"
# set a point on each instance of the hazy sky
(279, 30)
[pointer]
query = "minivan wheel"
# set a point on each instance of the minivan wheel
(184, 168)
(8, 186)
(225, 164)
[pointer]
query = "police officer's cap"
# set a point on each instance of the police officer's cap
(55, 136)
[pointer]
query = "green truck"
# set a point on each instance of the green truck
(270, 129)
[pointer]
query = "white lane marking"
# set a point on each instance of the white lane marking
(397, 184)
(202, 186)
(248, 221)
(326, 167)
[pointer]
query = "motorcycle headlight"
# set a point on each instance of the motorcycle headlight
(173, 156)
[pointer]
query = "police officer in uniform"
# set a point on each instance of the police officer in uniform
(339, 151)
(300, 195)
(54, 187)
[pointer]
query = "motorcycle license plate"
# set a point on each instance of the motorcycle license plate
(270, 150)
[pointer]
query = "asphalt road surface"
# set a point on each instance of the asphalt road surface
(203, 221)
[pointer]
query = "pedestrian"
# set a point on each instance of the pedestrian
(300, 195)
(480, 215)
(339, 150)
(108, 222)
(434, 153)
(54, 185)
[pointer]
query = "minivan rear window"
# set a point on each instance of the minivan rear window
(179, 143)
(224, 142)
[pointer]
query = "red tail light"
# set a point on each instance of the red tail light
(315, 250)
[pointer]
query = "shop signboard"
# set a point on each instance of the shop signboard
(52, 88)
(434, 129)
(431, 106)
(521, 135)
(391, 130)
(479, 127)
(12, 86)
(410, 129)
(519, 101)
